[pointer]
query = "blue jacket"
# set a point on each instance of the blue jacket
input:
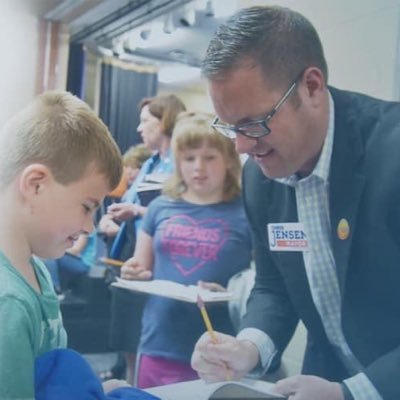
(63, 374)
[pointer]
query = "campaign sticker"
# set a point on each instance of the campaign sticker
(287, 237)
(343, 229)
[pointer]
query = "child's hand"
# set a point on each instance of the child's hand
(133, 270)
(114, 384)
(214, 287)
(124, 211)
(108, 226)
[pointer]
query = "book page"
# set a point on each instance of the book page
(144, 186)
(242, 391)
(156, 177)
(199, 390)
(173, 290)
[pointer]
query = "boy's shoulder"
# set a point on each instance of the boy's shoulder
(12, 283)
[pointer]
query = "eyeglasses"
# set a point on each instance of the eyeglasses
(253, 129)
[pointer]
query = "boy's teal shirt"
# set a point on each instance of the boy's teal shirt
(30, 325)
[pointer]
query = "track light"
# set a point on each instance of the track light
(145, 34)
(188, 18)
(168, 24)
(209, 10)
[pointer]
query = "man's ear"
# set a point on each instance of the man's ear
(33, 179)
(314, 83)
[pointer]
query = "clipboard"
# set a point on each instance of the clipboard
(173, 290)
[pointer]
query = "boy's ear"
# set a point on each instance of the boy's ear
(33, 179)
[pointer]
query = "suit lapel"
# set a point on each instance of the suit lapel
(346, 181)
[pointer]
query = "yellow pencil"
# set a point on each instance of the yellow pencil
(111, 261)
(206, 319)
(210, 330)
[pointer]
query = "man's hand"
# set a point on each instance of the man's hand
(229, 358)
(309, 387)
(213, 286)
(134, 271)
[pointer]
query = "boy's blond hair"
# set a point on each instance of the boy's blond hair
(60, 131)
(191, 131)
(136, 155)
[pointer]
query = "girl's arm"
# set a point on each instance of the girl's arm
(140, 266)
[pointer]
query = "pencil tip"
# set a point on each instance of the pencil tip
(200, 301)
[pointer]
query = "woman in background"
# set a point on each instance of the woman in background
(157, 120)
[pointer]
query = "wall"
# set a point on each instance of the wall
(193, 95)
(360, 41)
(18, 46)
(34, 56)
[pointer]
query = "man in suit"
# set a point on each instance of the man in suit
(322, 193)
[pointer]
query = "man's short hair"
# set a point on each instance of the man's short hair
(283, 42)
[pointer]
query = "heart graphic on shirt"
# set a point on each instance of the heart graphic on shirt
(190, 243)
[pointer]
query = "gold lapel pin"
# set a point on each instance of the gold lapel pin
(343, 229)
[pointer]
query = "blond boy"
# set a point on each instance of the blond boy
(57, 162)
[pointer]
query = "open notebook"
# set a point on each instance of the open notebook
(173, 290)
(242, 391)
(245, 389)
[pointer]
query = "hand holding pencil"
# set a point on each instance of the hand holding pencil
(130, 269)
(206, 319)
(111, 261)
(218, 356)
(210, 330)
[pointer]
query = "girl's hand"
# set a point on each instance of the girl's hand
(134, 271)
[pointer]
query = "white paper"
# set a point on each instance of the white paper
(173, 290)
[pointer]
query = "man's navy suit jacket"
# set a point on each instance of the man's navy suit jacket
(364, 188)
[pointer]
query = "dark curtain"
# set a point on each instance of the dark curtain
(76, 67)
(122, 87)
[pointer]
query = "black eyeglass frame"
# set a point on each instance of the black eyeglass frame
(230, 131)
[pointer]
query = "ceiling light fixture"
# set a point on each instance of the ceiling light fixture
(169, 26)
(209, 9)
(188, 17)
(145, 34)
